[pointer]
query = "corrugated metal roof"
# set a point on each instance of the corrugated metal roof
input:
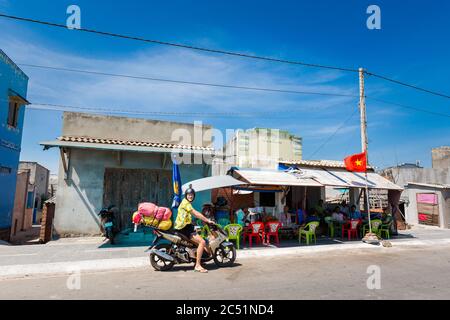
(345, 179)
(213, 182)
(274, 178)
(315, 178)
(318, 163)
(132, 143)
(429, 185)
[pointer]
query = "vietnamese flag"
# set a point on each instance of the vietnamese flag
(356, 162)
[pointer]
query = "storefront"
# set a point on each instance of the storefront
(302, 186)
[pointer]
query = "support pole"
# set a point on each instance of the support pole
(362, 109)
(364, 140)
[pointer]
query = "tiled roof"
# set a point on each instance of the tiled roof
(132, 143)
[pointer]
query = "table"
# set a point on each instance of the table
(288, 232)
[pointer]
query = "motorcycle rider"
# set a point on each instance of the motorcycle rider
(183, 224)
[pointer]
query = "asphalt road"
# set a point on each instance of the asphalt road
(412, 273)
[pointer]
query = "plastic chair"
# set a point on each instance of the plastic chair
(308, 232)
(223, 222)
(351, 229)
(376, 224)
(205, 231)
(256, 231)
(330, 223)
(272, 229)
(386, 229)
(234, 232)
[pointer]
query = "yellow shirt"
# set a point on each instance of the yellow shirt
(184, 215)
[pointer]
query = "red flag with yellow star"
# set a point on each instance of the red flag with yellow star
(356, 162)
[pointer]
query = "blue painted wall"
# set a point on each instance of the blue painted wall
(11, 78)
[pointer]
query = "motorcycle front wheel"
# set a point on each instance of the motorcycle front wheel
(225, 256)
(158, 263)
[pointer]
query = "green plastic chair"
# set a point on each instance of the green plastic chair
(376, 224)
(308, 232)
(234, 232)
(223, 222)
(329, 222)
(204, 232)
(386, 230)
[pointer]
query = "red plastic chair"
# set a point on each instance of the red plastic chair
(272, 231)
(351, 228)
(256, 230)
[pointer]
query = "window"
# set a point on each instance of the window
(13, 114)
(5, 170)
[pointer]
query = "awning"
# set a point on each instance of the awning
(273, 178)
(346, 179)
(213, 183)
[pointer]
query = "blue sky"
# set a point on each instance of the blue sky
(412, 46)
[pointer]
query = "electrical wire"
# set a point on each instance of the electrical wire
(408, 85)
(333, 134)
(409, 107)
(237, 54)
(187, 82)
(58, 107)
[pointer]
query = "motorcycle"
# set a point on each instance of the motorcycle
(180, 249)
(107, 220)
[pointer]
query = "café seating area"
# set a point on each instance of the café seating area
(264, 230)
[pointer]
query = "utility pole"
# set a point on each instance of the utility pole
(364, 141)
(362, 109)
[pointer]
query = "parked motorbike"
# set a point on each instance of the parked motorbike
(107, 219)
(180, 249)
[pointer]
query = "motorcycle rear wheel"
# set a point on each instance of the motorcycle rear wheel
(225, 257)
(158, 263)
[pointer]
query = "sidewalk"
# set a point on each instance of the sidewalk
(66, 256)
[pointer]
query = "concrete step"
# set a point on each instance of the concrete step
(139, 237)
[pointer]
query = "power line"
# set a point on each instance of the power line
(333, 134)
(408, 85)
(237, 54)
(223, 52)
(410, 107)
(188, 82)
(58, 107)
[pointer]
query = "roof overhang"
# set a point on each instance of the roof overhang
(428, 185)
(214, 182)
(345, 179)
(17, 98)
(272, 179)
(320, 177)
(114, 147)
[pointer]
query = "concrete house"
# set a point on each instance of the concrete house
(13, 91)
(37, 192)
(107, 160)
(429, 204)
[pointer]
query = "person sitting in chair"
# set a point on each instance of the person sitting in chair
(337, 215)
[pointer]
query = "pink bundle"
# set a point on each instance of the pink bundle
(148, 209)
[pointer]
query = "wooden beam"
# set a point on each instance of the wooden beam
(119, 157)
